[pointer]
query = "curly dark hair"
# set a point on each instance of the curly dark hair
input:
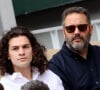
(39, 59)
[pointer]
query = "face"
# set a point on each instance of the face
(77, 40)
(20, 52)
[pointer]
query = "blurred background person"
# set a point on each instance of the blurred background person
(35, 85)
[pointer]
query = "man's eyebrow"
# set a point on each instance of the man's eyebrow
(27, 44)
(22, 45)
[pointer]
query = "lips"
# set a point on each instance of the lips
(22, 58)
(77, 38)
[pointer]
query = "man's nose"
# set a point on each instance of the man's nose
(77, 31)
(21, 51)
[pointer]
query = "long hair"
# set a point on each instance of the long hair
(39, 59)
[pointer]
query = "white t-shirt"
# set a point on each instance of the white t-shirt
(16, 80)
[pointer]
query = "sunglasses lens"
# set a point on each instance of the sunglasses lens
(70, 29)
(82, 27)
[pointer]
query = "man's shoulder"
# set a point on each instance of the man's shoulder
(96, 50)
(95, 46)
(97, 43)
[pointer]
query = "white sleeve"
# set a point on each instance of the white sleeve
(52, 80)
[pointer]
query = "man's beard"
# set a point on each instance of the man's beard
(77, 47)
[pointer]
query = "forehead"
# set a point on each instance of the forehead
(20, 40)
(75, 18)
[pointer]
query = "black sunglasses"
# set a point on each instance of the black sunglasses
(81, 27)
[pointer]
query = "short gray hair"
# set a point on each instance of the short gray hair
(35, 85)
(71, 10)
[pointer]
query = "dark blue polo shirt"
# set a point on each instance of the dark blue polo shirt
(76, 72)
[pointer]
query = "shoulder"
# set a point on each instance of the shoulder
(6, 81)
(95, 48)
(59, 59)
(48, 74)
(52, 80)
(5, 77)
(95, 44)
